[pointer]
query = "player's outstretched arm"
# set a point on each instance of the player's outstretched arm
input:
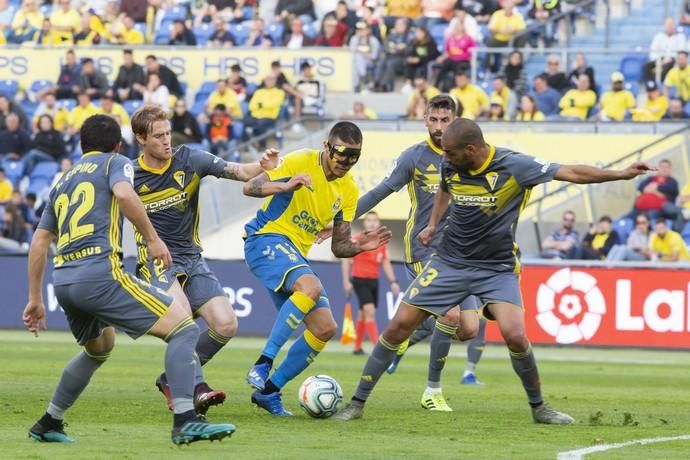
(441, 203)
(583, 174)
(246, 171)
(134, 211)
(344, 246)
(262, 185)
(34, 315)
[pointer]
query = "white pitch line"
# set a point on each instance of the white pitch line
(579, 454)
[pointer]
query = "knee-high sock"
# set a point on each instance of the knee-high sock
(372, 331)
(438, 352)
(75, 377)
(526, 368)
(379, 360)
(359, 330)
(476, 347)
(210, 343)
(290, 316)
(181, 364)
(423, 331)
(301, 354)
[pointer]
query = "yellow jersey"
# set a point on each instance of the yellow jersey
(34, 19)
(680, 79)
(526, 116)
(653, 110)
(302, 214)
(118, 112)
(614, 104)
(577, 103)
(228, 99)
(69, 19)
(266, 103)
(5, 190)
(79, 114)
(473, 99)
(60, 118)
(671, 242)
(500, 21)
(684, 192)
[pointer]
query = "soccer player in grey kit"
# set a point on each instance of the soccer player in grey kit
(488, 188)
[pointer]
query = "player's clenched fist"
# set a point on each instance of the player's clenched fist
(159, 253)
(426, 235)
(296, 182)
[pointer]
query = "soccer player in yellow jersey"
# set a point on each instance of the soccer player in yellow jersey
(309, 190)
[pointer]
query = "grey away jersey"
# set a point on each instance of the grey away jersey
(485, 207)
(171, 198)
(85, 215)
(418, 169)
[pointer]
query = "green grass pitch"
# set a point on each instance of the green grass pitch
(615, 396)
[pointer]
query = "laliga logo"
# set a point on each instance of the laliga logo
(569, 287)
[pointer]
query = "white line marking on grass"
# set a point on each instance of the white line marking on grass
(579, 454)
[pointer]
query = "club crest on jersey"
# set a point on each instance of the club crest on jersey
(179, 178)
(336, 205)
(144, 189)
(491, 178)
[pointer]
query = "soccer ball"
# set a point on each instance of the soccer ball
(320, 396)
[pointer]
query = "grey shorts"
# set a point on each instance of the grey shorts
(440, 287)
(415, 268)
(199, 283)
(129, 304)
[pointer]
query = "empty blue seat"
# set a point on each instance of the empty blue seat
(9, 87)
(275, 31)
(40, 85)
(631, 66)
(633, 87)
(175, 13)
(184, 86)
(67, 104)
(198, 107)
(239, 33)
(436, 32)
(624, 226)
(207, 87)
(39, 187)
(202, 33)
(141, 27)
(44, 170)
(132, 106)
(13, 170)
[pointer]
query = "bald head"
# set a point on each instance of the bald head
(462, 132)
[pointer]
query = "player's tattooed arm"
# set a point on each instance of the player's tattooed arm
(262, 185)
(232, 171)
(343, 246)
(247, 171)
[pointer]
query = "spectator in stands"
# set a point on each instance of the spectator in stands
(113, 109)
(6, 187)
(359, 111)
(287, 9)
(65, 165)
(599, 240)
(471, 97)
(309, 92)
(658, 194)
(135, 9)
(616, 103)
(332, 34)
(514, 72)
(471, 26)
(528, 110)
(676, 110)
(505, 26)
(509, 101)
(365, 48)
(65, 21)
(129, 75)
(7, 107)
(156, 92)
(577, 103)
(87, 34)
(237, 82)
(91, 80)
(662, 50)
(344, 15)
(264, 108)
(68, 81)
(27, 21)
(678, 78)
(45, 35)
(47, 145)
(392, 60)
(123, 32)
(420, 95)
(555, 76)
(185, 128)
(654, 107)
(435, 12)
(637, 246)
(295, 38)
(457, 53)
(6, 15)
(15, 141)
(481, 10)
(684, 201)
(540, 13)
(496, 111)
(580, 67)
(563, 243)
(221, 37)
(80, 113)
(666, 245)
(420, 52)
(370, 19)
(180, 35)
(219, 131)
(58, 114)
(225, 96)
(14, 233)
(167, 76)
(257, 34)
